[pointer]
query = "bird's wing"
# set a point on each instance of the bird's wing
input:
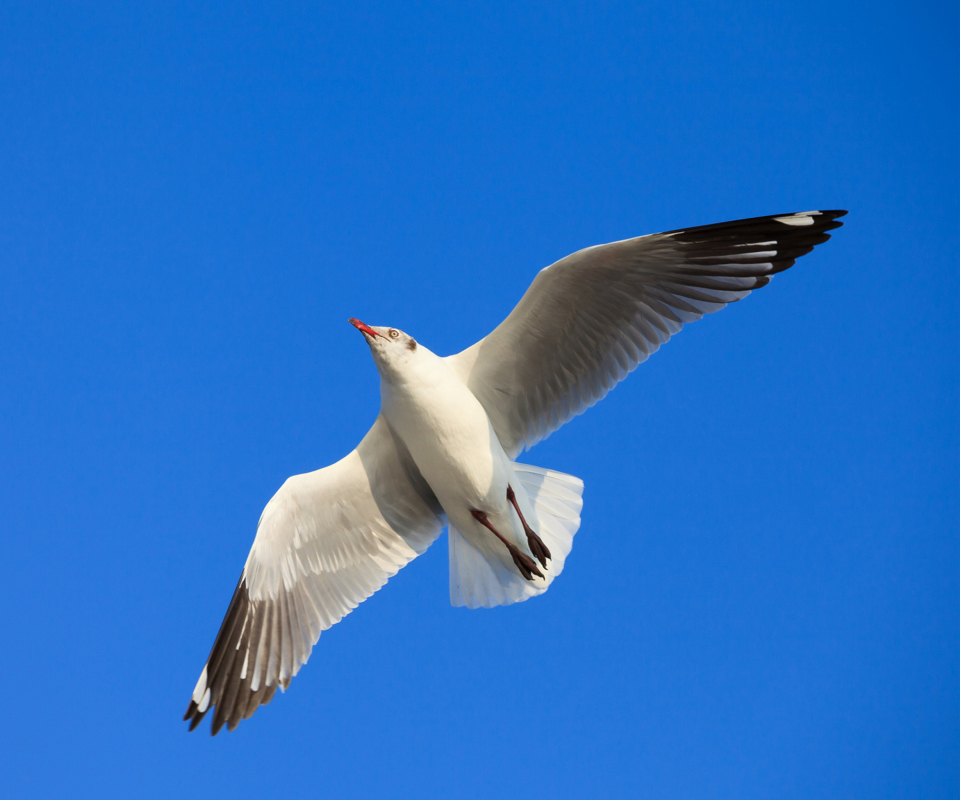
(592, 317)
(325, 542)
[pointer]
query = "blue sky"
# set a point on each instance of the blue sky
(763, 598)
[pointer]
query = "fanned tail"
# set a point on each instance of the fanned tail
(480, 577)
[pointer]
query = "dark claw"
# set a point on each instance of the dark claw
(527, 566)
(538, 548)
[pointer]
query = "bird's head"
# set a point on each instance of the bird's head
(392, 349)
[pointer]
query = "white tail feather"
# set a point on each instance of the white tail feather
(484, 576)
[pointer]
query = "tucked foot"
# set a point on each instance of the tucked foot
(538, 548)
(534, 542)
(527, 566)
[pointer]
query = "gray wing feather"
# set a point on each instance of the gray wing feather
(325, 542)
(589, 319)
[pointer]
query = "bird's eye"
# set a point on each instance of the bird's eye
(394, 333)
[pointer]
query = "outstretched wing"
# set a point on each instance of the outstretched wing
(325, 542)
(589, 319)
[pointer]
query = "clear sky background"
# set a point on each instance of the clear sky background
(763, 598)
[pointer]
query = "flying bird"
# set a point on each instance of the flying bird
(443, 449)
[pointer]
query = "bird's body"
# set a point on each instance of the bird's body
(442, 451)
(452, 443)
(448, 434)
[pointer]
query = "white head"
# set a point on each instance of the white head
(392, 350)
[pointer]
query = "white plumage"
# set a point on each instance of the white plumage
(443, 449)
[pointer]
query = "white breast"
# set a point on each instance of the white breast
(448, 434)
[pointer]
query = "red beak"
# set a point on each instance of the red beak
(364, 328)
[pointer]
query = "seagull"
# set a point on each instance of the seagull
(442, 451)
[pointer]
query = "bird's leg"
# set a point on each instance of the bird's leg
(537, 547)
(526, 565)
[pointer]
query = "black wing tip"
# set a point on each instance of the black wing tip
(222, 674)
(194, 715)
(796, 235)
(232, 698)
(216, 725)
(831, 220)
(823, 220)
